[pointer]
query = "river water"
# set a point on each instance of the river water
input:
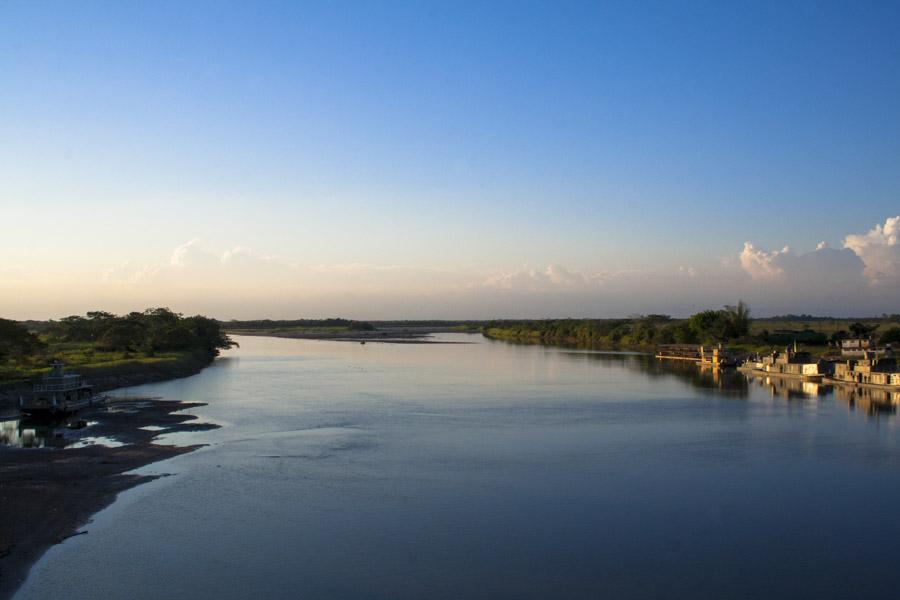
(491, 470)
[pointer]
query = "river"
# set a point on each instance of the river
(491, 470)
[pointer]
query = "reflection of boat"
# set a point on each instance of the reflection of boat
(31, 433)
(790, 363)
(789, 388)
(57, 392)
(871, 400)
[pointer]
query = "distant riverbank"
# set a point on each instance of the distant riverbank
(391, 335)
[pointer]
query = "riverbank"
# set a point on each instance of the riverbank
(535, 338)
(49, 493)
(122, 374)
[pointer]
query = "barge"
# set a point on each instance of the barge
(702, 355)
(790, 364)
(873, 371)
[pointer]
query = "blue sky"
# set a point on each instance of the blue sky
(471, 138)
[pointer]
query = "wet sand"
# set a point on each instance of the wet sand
(47, 494)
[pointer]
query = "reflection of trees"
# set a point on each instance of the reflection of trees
(696, 376)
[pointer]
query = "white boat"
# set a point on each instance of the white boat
(57, 392)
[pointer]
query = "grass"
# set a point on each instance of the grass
(85, 358)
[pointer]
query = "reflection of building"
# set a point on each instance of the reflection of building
(789, 388)
(870, 400)
(790, 363)
(871, 370)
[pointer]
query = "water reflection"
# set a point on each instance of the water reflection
(31, 432)
(696, 376)
(871, 401)
(790, 389)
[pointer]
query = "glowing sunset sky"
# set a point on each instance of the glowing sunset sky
(448, 160)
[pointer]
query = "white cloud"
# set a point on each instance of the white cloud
(553, 278)
(879, 249)
(761, 264)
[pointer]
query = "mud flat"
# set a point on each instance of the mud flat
(47, 493)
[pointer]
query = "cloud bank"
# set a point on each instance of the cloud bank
(861, 277)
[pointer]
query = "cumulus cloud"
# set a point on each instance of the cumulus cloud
(761, 264)
(879, 249)
(823, 267)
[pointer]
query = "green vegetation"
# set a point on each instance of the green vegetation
(101, 342)
(731, 325)
(731, 322)
(335, 325)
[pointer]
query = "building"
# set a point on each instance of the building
(789, 363)
(857, 346)
(870, 370)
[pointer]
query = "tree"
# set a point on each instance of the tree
(861, 330)
(891, 336)
(16, 342)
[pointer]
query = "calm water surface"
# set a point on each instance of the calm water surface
(489, 470)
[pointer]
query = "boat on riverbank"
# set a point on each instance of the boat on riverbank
(790, 363)
(715, 356)
(872, 371)
(57, 392)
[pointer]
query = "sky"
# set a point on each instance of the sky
(382, 160)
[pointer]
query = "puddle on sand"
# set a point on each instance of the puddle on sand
(24, 432)
(106, 442)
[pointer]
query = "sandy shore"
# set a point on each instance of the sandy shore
(47, 494)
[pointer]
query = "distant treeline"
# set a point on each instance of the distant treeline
(731, 322)
(334, 323)
(148, 332)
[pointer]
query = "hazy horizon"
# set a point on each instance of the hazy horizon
(448, 161)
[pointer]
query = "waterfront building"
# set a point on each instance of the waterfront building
(789, 363)
(870, 370)
(857, 347)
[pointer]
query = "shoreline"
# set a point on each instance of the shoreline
(112, 378)
(48, 494)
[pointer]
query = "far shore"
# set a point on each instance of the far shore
(389, 335)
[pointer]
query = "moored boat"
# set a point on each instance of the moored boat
(874, 370)
(715, 356)
(57, 392)
(790, 364)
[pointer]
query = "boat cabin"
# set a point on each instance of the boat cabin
(57, 392)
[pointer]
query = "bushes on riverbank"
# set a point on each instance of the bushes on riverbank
(729, 323)
(101, 341)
